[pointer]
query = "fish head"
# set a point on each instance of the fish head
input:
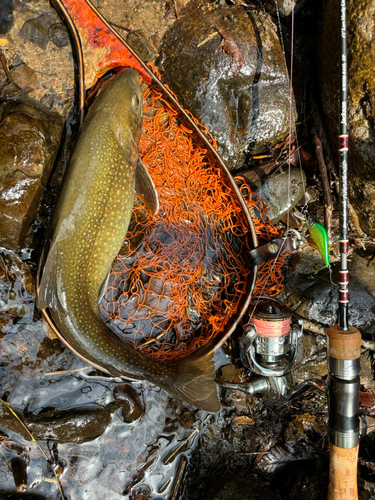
(119, 104)
(128, 108)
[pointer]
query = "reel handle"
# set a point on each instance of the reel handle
(342, 473)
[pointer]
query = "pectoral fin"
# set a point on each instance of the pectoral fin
(145, 188)
(103, 287)
(47, 290)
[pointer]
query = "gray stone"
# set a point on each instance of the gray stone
(281, 191)
(58, 35)
(36, 30)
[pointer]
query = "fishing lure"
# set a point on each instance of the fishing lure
(319, 235)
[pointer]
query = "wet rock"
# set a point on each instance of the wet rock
(314, 358)
(276, 189)
(63, 426)
(315, 298)
(361, 102)
(25, 77)
(36, 30)
(6, 16)
(54, 65)
(232, 76)
(70, 426)
(128, 400)
(30, 136)
(366, 373)
(58, 35)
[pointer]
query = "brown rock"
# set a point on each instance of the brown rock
(29, 140)
(227, 67)
(127, 398)
(25, 77)
(36, 30)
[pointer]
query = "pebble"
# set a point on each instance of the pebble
(36, 30)
(25, 77)
(58, 35)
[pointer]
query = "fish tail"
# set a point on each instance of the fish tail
(194, 382)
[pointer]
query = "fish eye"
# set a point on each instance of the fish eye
(135, 100)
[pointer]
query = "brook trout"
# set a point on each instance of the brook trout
(88, 228)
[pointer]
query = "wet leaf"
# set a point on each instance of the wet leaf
(300, 426)
(283, 454)
(230, 46)
(244, 420)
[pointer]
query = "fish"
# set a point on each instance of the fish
(319, 235)
(88, 228)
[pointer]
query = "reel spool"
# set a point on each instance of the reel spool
(269, 344)
(269, 348)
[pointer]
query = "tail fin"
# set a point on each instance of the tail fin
(194, 382)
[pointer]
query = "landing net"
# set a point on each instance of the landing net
(181, 274)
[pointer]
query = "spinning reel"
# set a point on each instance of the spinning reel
(269, 345)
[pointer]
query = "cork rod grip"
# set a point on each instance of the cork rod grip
(342, 473)
(344, 345)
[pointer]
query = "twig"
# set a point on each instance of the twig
(180, 474)
(34, 440)
(314, 327)
(208, 38)
(66, 372)
(320, 329)
(170, 457)
(325, 182)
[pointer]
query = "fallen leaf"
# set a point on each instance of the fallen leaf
(230, 46)
(244, 420)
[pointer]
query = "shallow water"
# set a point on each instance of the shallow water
(81, 422)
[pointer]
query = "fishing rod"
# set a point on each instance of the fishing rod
(343, 340)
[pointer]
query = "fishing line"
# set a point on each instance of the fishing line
(260, 296)
(290, 112)
(291, 121)
(290, 146)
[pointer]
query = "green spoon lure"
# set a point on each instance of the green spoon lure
(319, 235)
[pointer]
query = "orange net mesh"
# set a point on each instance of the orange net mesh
(180, 275)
